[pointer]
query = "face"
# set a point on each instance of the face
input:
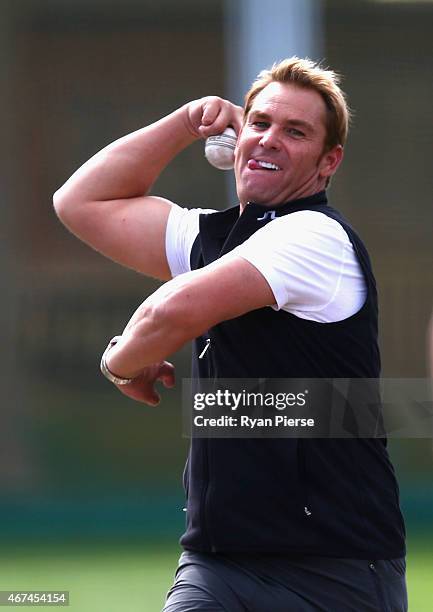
(280, 150)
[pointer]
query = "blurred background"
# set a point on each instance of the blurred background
(90, 480)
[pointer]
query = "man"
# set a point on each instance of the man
(279, 286)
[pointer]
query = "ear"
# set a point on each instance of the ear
(329, 162)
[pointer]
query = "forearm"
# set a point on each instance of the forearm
(129, 166)
(153, 333)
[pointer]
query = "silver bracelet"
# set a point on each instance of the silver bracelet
(117, 380)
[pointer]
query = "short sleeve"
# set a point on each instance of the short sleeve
(182, 229)
(309, 263)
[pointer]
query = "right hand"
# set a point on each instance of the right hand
(211, 115)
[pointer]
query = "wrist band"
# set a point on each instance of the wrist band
(117, 380)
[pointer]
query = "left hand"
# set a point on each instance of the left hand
(142, 388)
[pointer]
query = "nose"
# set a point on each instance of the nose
(270, 139)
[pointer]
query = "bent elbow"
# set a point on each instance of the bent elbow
(61, 203)
(69, 209)
(57, 202)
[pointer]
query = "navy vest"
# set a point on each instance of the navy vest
(326, 497)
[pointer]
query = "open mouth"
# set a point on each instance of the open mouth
(255, 164)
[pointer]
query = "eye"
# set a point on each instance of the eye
(260, 125)
(296, 133)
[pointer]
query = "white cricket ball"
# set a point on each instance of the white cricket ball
(220, 149)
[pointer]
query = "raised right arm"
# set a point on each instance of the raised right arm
(106, 203)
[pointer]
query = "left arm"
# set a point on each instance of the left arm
(184, 308)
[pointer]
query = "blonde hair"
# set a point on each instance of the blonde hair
(308, 74)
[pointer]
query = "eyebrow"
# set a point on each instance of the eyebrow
(296, 122)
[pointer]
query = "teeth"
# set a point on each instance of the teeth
(268, 165)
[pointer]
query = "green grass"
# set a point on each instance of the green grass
(132, 579)
(420, 575)
(122, 579)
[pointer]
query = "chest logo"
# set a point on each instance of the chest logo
(269, 214)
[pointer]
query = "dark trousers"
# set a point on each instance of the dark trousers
(260, 583)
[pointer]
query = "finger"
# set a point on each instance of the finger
(166, 374)
(152, 399)
(150, 395)
(238, 119)
(137, 395)
(229, 115)
(211, 110)
(234, 118)
(140, 393)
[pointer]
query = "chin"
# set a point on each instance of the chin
(260, 199)
(259, 193)
(253, 195)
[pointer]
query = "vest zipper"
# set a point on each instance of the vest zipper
(206, 356)
(207, 345)
(185, 480)
(186, 477)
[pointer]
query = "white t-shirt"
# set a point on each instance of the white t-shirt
(306, 258)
